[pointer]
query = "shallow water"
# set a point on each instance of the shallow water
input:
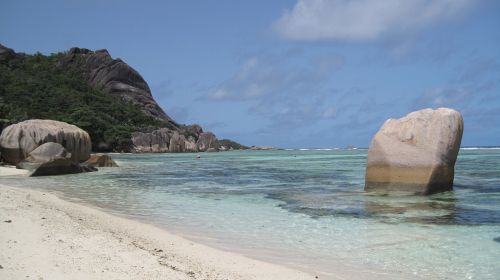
(306, 209)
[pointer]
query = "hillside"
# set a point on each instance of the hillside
(104, 96)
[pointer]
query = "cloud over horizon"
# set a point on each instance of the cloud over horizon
(364, 20)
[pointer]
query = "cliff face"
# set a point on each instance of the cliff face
(114, 77)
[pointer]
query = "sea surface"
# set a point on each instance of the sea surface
(305, 209)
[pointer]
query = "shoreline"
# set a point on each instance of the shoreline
(45, 237)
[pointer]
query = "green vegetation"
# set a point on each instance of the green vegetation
(35, 87)
(231, 144)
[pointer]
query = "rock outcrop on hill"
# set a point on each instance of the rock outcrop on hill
(416, 153)
(17, 141)
(115, 77)
(6, 53)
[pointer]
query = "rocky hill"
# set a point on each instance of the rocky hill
(104, 96)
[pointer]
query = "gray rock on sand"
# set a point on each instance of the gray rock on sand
(18, 140)
(416, 153)
(207, 140)
(100, 160)
(51, 159)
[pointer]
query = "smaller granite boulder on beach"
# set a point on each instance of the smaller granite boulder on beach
(51, 159)
(416, 153)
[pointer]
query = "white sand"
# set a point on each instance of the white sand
(11, 170)
(48, 238)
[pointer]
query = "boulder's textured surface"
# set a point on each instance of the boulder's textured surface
(18, 140)
(416, 153)
(156, 141)
(48, 152)
(177, 143)
(207, 140)
(191, 145)
(51, 159)
(101, 160)
(115, 77)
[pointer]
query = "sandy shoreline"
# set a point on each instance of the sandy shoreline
(9, 170)
(44, 237)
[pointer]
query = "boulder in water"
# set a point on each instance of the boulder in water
(416, 153)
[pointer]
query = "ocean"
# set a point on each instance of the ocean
(305, 209)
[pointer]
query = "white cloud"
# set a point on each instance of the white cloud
(362, 20)
(269, 75)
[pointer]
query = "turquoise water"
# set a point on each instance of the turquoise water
(307, 210)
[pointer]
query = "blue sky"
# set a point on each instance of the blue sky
(291, 73)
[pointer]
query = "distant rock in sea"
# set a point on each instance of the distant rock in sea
(17, 141)
(416, 153)
(100, 160)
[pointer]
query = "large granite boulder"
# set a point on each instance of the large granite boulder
(207, 140)
(177, 143)
(51, 159)
(100, 160)
(18, 140)
(416, 153)
(156, 141)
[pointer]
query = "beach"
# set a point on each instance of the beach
(44, 237)
(280, 214)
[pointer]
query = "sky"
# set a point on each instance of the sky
(288, 73)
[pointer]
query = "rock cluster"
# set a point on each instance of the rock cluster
(156, 141)
(174, 141)
(416, 153)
